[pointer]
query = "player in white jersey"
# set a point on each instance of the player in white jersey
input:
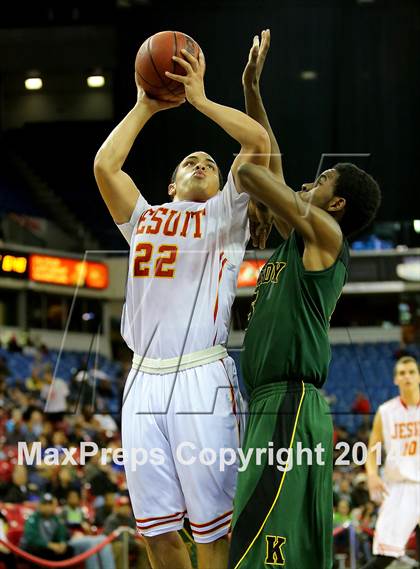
(397, 427)
(181, 396)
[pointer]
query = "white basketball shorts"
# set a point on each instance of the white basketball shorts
(175, 428)
(398, 517)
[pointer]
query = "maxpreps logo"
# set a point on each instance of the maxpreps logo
(274, 545)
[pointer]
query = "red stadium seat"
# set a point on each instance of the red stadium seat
(6, 469)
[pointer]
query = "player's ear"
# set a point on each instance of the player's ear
(336, 204)
(172, 189)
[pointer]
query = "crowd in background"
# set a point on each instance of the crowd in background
(92, 500)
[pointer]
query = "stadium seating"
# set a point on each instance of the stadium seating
(14, 195)
(62, 165)
(354, 368)
(366, 368)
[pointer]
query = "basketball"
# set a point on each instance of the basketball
(155, 57)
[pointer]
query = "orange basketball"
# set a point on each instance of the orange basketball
(155, 57)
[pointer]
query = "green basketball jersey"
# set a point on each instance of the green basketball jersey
(287, 335)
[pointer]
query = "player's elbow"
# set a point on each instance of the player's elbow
(262, 145)
(258, 146)
(102, 165)
(248, 175)
(99, 164)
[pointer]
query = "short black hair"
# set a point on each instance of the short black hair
(221, 181)
(362, 195)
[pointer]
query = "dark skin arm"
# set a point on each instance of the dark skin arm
(261, 218)
(320, 232)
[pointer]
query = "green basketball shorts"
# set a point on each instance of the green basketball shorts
(283, 506)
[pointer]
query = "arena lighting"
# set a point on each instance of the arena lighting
(416, 225)
(95, 81)
(409, 269)
(308, 75)
(33, 83)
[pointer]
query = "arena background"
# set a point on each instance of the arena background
(342, 78)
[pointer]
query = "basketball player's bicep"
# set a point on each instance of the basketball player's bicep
(119, 193)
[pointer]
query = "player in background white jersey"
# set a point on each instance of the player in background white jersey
(397, 427)
(184, 260)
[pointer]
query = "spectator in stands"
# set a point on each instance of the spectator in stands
(15, 428)
(87, 423)
(54, 395)
(100, 477)
(5, 401)
(64, 481)
(34, 383)
(341, 434)
(29, 349)
(363, 432)
(77, 522)
(342, 513)
(343, 491)
(18, 490)
(366, 519)
(81, 388)
(6, 556)
(365, 522)
(106, 424)
(44, 534)
(43, 349)
(73, 515)
(361, 406)
(360, 492)
(13, 346)
(59, 440)
(18, 397)
(104, 511)
(122, 516)
(34, 424)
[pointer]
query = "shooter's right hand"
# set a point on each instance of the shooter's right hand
(156, 105)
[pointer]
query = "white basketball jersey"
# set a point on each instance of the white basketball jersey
(183, 267)
(401, 432)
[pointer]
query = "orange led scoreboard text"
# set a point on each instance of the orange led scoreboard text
(54, 270)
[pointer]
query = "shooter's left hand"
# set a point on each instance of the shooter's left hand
(193, 81)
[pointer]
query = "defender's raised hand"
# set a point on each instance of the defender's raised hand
(193, 81)
(257, 54)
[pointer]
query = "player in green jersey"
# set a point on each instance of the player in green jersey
(283, 505)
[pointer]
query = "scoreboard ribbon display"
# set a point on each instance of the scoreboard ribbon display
(13, 265)
(54, 270)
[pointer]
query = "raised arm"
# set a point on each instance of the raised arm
(321, 233)
(253, 138)
(260, 217)
(117, 188)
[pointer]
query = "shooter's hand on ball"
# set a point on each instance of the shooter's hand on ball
(377, 488)
(257, 54)
(193, 81)
(156, 105)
